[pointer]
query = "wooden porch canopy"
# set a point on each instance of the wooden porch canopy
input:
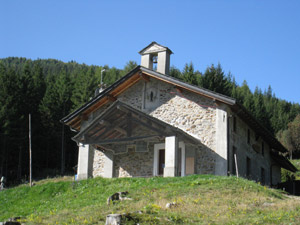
(121, 123)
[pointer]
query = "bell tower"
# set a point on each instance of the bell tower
(156, 57)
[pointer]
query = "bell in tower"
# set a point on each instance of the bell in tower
(156, 57)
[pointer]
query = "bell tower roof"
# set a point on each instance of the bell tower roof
(154, 48)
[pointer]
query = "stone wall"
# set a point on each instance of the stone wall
(98, 163)
(205, 160)
(193, 113)
(134, 164)
(134, 95)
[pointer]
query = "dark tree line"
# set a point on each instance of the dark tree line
(48, 90)
(51, 89)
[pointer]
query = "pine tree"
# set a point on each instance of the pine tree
(128, 67)
(214, 79)
(189, 75)
(85, 85)
(260, 112)
(174, 72)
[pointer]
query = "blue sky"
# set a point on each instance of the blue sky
(257, 41)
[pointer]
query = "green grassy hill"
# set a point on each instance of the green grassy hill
(200, 199)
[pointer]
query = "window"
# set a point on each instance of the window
(248, 167)
(262, 148)
(151, 96)
(234, 124)
(233, 160)
(248, 137)
(262, 175)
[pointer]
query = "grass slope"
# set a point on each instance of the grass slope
(201, 199)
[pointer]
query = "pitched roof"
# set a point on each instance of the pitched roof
(162, 48)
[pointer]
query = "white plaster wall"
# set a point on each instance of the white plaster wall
(85, 158)
(146, 61)
(171, 154)
(221, 140)
(163, 62)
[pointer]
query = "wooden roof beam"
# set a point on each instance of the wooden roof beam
(111, 98)
(84, 116)
(178, 89)
(121, 130)
(119, 140)
(144, 77)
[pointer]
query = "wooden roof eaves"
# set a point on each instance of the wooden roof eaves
(192, 88)
(284, 162)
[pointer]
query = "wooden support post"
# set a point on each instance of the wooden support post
(236, 167)
(63, 150)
